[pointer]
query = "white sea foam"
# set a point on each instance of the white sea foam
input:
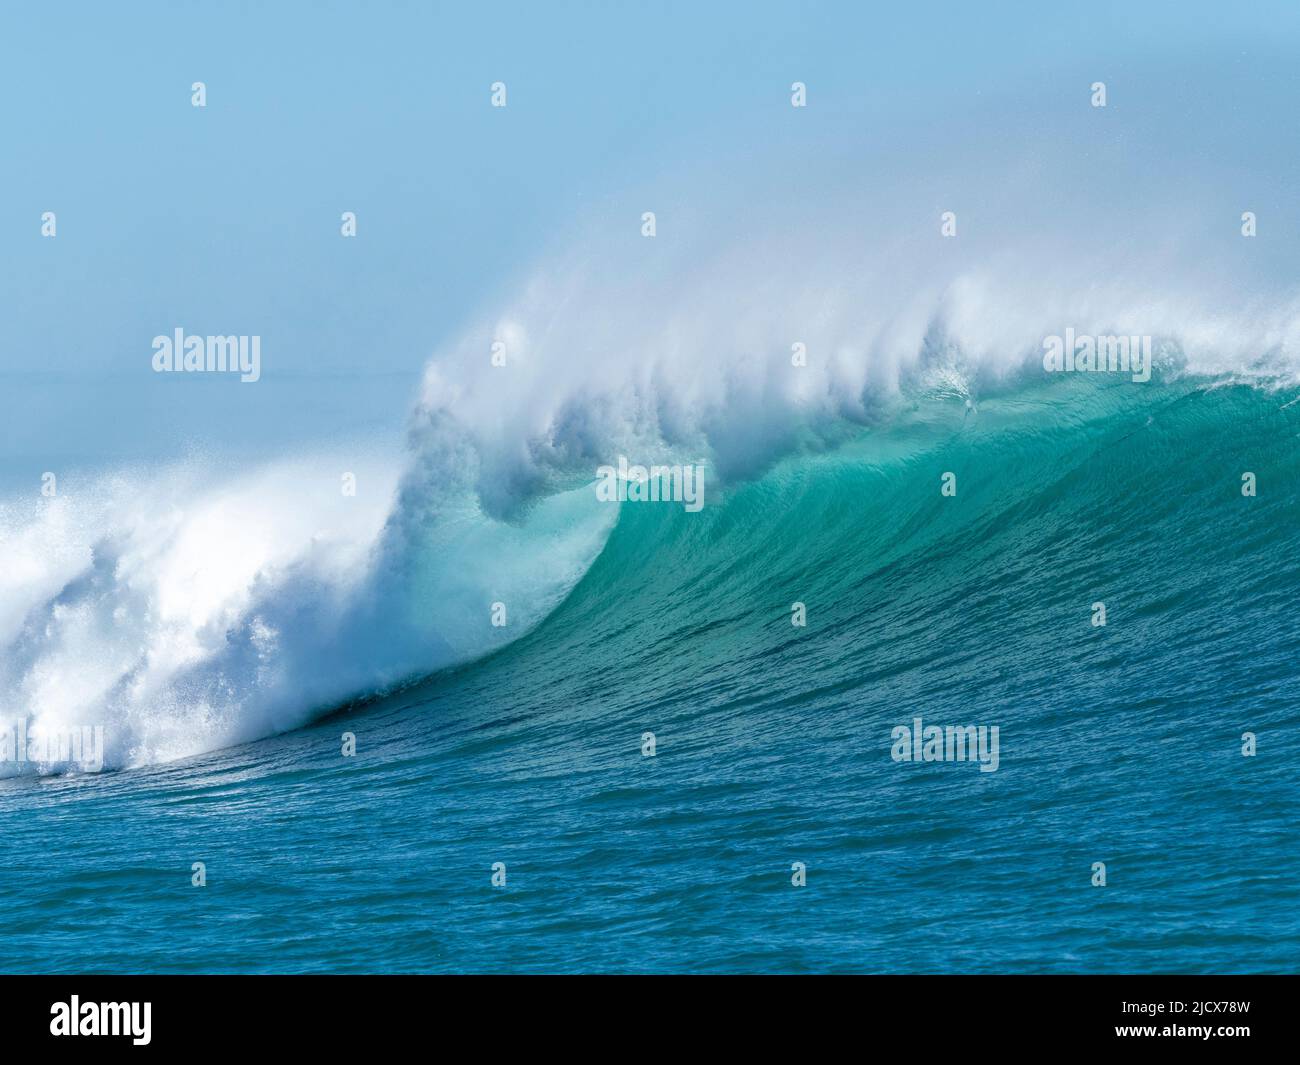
(186, 611)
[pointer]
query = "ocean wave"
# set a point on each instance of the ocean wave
(187, 609)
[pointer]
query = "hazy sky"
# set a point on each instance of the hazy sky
(226, 219)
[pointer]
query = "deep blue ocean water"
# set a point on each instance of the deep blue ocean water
(1119, 744)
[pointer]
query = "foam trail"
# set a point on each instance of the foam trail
(187, 612)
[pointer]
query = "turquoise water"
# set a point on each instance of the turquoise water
(1119, 744)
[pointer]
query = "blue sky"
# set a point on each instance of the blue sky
(225, 219)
